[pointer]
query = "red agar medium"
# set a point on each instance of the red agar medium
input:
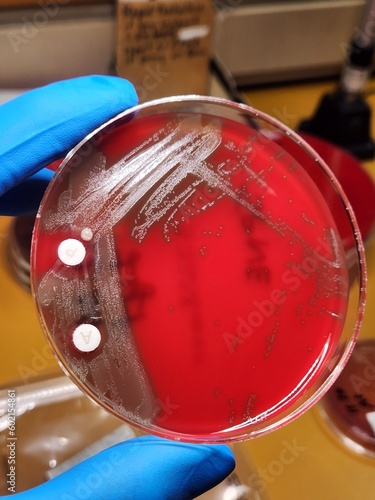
(201, 271)
(355, 181)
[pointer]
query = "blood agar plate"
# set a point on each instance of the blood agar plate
(189, 274)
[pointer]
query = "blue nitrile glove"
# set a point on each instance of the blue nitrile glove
(144, 468)
(42, 125)
(36, 128)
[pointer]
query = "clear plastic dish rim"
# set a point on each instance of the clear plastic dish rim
(222, 436)
(349, 443)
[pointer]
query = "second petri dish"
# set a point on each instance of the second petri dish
(190, 275)
(348, 408)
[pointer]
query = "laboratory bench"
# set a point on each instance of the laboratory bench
(301, 461)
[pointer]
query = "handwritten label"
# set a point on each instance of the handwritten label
(164, 45)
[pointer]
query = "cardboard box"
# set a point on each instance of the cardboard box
(164, 46)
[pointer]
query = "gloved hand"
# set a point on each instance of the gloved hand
(42, 125)
(37, 128)
(143, 468)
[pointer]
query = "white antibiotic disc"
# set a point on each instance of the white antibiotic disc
(86, 337)
(71, 252)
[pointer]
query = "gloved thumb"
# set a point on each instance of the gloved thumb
(144, 468)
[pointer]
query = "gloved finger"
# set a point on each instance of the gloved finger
(145, 468)
(43, 124)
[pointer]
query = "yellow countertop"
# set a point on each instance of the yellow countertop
(300, 461)
(24, 352)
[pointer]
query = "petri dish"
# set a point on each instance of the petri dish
(190, 275)
(348, 407)
(347, 167)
